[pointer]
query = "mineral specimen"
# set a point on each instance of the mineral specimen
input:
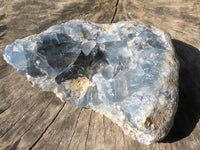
(127, 71)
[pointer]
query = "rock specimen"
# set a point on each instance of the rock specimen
(127, 71)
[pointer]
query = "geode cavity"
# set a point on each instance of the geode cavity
(127, 71)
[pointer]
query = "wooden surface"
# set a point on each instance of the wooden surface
(32, 119)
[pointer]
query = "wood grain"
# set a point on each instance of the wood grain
(180, 18)
(32, 119)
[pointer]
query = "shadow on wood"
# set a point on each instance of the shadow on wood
(188, 112)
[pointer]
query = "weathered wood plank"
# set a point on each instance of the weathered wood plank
(180, 18)
(27, 121)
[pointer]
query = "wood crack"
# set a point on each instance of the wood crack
(19, 119)
(59, 142)
(44, 110)
(104, 127)
(47, 127)
(31, 125)
(88, 130)
(115, 12)
(74, 129)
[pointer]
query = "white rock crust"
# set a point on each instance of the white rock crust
(127, 71)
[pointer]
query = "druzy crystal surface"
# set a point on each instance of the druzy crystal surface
(127, 71)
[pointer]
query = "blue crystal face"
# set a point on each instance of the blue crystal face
(127, 71)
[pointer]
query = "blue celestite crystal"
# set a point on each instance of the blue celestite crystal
(127, 71)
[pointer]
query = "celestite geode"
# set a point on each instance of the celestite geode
(127, 71)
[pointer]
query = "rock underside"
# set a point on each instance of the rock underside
(127, 71)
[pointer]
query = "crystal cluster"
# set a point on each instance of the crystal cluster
(127, 71)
